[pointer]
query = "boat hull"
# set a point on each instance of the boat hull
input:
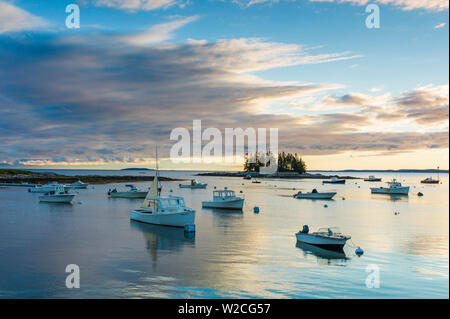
(128, 194)
(334, 182)
(225, 204)
(65, 198)
(322, 242)
(390, 191)
(373, 180)
(315, 195)
(203, 186)
(430, 182)
(179, 219)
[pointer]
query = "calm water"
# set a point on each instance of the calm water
(232, 254)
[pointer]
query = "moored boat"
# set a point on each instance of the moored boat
(315, 195)
(59, 195)
(430, 180)
(334, 180)
(133, 192)
(165, 211)
(372, 178)
(327, 238)
(194, 185)
(395, 188)
(47, 188)
(79, 185)
(225, 199)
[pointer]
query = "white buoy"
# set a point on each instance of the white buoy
(359, 251)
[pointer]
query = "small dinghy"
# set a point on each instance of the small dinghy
(59, 195)
(194, 184)
(327, 238)
(334, 180)
(314, 195)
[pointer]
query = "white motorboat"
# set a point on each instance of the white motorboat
(194, 184)
(133, 192)
(395, 188)
(59, 195)
(334, 180)
(170, 211)
(255, 181)
(372, 178)
(327, 238)
(79, 185)
(225, 199)
(314, 195)
(47, 188)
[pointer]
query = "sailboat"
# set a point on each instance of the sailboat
(166, 211)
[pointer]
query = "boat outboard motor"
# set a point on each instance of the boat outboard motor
(305, 229)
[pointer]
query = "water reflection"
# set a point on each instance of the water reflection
(166, 240)
(324, 256)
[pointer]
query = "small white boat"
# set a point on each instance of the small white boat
(327, 238)
(47, 188)
(334, 180)
(372, 178)
(157, 210)
(79, 185)
(247, 176)
(59, 195)
(395, 188)
(133, 192)
(194, 184)
(255, 181)
(225, 199)
(314, 195)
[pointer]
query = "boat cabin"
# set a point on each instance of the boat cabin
(164, 205)
(223, 194)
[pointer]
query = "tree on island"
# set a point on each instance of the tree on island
(287, 162)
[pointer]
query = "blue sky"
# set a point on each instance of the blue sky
(299, 65)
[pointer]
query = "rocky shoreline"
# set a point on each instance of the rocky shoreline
(44, 178)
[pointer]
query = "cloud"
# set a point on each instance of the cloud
(441, 25)
(132, 5)
(432, 5)
(15, 19)
(158, 33)
(93, 102)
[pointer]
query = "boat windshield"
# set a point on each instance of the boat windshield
(172, 202)
(334, 230)
(224, 193)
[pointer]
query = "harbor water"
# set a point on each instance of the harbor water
(232, 254)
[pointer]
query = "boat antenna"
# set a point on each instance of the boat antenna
(157, 170)
(438, 173)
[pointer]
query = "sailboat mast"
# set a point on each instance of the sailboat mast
(157, 171)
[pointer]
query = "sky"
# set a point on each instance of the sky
(341, 95)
